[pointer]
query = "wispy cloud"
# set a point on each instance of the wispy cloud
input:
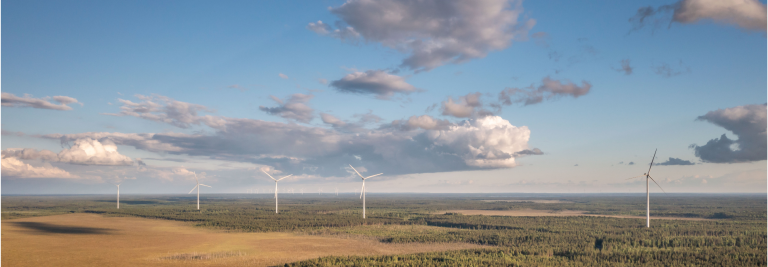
(11, 100)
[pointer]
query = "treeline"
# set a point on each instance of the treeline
(527, 257)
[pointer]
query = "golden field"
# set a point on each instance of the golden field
(93, 240)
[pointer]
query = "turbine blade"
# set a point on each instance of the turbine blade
(362, 190)
(195, 177)
(635, 177)
(206, 185)
(358, 174)
(654, 181)
(654, 158)
(285, 177)
(373, 176)
(193, 189)
(270, 176)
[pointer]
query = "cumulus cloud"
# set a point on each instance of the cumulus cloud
(549, 89)
(625, 67)
(13, 167)
(675, 161)
(432, 32)
(748, 123)
(465, 107)
(293, 108)
(162, 109)
(746, 14)
(11, 100)
(84, 151)
(377, 82)
(436, 146)
(92, 152)
(488, 142)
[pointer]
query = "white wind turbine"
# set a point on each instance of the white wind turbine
(276, 180)
(118, 195)
(648, 178)
(362, 191)
(198, 189)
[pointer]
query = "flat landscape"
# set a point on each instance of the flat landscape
(443, 230)
(536, 213)
(75, 239)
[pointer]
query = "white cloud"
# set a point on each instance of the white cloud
(432, 32)
(748, 122)
(85, 151)
(11, 100)
(419, 145)
(283, 76)
(92, 152)
(377, 82)
(294, 108)
(13, 167)
(488, 142)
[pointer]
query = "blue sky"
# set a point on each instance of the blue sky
(231, 58)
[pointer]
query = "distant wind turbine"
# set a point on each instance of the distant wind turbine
(276, 180)
(648, 178)
(198, 190)
(362, 190)
(118, 195)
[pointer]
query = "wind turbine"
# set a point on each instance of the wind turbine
(648, 178)
(198, 190)
(118, 195)
(362, 191)
(276, 180)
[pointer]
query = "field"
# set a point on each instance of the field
(439, 230)
(74, 239)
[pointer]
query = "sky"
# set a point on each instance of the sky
(489, 96)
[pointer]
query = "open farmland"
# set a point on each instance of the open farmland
(400, 229)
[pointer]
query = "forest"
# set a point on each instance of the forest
(729, 230)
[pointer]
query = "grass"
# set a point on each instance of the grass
(70, 240)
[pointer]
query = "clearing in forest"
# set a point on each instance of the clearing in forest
(94, 240)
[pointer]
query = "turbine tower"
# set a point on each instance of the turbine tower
(198, 190)
(276, 180)
(362, 191)
(648, 180)
(118, 196)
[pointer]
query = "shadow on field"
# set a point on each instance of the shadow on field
(48, 228)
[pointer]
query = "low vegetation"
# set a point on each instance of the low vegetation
(735, 236)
